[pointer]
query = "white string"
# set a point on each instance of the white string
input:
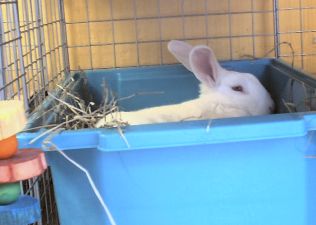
(123, 137)
(94, 188)
(208, 127)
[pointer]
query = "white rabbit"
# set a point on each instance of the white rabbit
(223, 93)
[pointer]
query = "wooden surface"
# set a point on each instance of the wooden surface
(25, 164)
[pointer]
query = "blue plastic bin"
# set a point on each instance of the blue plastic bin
(245, 171)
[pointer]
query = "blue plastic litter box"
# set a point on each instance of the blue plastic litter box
(245, 171)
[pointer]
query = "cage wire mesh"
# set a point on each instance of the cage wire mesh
(42, 40)
(12, 79)
(33, 60)
(120, 33)
(42, 188)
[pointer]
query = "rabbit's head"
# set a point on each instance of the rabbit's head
(234, 89)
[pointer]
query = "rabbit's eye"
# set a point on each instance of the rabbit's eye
(238, 88)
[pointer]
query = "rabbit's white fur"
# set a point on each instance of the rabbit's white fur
(223, 93)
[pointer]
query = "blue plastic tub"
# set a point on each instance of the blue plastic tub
(245, 171)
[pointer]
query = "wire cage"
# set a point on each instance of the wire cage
(33, 59)
(41, 41)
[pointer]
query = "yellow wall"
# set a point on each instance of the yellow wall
(135, 32)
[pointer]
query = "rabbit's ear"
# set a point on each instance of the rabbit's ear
(181, 51)
(204, 65)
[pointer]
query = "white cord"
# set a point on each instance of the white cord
(123, 137)
(95, 189)
(208, 127)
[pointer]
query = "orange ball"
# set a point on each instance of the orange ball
(8, 147)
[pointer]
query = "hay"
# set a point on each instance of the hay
(72, 112)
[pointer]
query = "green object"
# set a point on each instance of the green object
(9, 193)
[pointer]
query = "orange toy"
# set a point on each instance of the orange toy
(15, 166)
(8, 147)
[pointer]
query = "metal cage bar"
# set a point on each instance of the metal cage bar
(26, 56)
(62, 24)
(2, 60)
(34, 51)
(12, 65)
(39, 37)
(276, 28)
(300, 31)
